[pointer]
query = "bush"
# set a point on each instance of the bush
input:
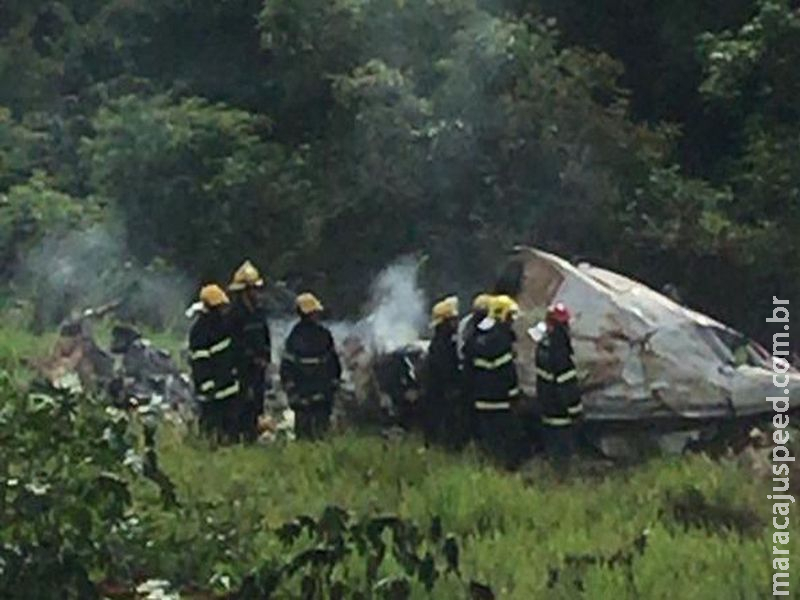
(63, 485)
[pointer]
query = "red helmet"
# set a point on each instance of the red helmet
(558, 313)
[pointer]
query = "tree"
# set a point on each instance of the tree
(195, 183)
(750, 73)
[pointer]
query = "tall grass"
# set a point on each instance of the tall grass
(518, 530)
(19, 348)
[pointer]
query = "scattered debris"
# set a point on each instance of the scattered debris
(77, 362)
(655, 375)
(135, 373)
(146, 373)
(273, 428)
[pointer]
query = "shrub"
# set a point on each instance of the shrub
(62, 487)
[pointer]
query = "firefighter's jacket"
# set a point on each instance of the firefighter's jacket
(490, 371)
(212, 357)
(310, 367)
(442, 371)
(466, 329)
(557, 380)
(250, 333)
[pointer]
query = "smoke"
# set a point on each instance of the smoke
(89, 268)
(397, 310)
(67, 273)
(395, 315)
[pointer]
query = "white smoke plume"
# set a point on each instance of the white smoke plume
(397, 310)
(395, 315)
(82, 269)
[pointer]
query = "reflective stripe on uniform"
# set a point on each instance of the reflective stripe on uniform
(412, 374)
(498, 362)
(209, 352)
(576, 409)
(220, 346)
(513, 392)
(556, 421)
(207, 385)
(479, 405)
(546, 375)
(311, 361)
(566, 376)
(227, 392)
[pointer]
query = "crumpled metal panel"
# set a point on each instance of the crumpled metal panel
(640, 355)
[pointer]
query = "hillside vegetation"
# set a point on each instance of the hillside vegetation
(325, 139)
(148, 147)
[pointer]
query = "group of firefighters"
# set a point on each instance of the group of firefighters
(230, 352)
(470, 385)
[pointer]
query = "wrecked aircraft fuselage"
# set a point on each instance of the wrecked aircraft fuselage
(647, 365)
(654, 374)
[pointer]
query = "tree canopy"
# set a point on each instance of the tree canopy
(323, 139)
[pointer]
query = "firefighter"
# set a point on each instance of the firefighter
(213, 365)
(557, 385)
(443, 416)
(310, 369)
(468, 325)
(491, 377)
(252, 345)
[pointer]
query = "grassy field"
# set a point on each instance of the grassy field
(705, 520)
(702, 525)
(19, 348)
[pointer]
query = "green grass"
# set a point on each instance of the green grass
(19, 349)
(514, 527)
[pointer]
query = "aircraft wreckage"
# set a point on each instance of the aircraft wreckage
(654, 374)
(650, 368)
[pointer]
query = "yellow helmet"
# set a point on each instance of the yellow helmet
(212, 296)
(307, 303)
(443, 310)
(503, 307)
(481, 302)
(246, 276)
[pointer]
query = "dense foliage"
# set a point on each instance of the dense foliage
(69, 526)
(62, 487)
(323, 139)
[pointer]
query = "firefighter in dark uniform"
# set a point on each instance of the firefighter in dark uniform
(491, 377)
(557, 386)
(443, 416)
(310, 370)
(252, 344)
(469, 324)
(213, 363)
